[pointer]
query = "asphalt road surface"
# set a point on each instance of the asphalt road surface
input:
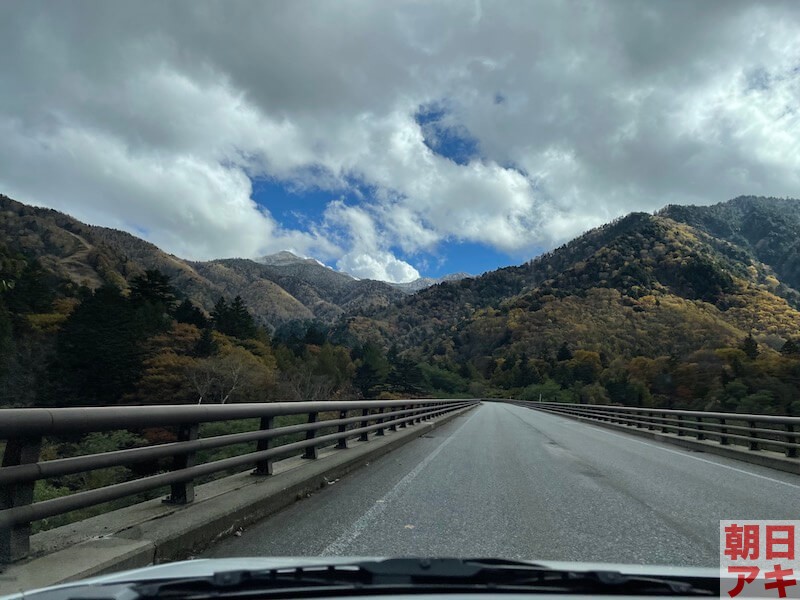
(511, 482)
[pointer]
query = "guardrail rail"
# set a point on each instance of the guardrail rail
(23, 430)
(753, 432)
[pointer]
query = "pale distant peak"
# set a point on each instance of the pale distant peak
(424, 282)
(284, 257)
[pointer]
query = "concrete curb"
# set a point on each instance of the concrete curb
(152, 532)
(764, 458)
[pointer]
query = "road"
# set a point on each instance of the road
(512, 482)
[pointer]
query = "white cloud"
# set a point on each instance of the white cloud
(152, 117)
(368, 256)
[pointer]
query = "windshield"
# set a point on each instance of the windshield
(513, 280)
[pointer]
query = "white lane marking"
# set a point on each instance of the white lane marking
(629, 438)
(358, 527)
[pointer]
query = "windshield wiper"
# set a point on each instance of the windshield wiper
(436, 575)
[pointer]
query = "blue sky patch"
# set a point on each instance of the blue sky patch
(293, 208)
(445, 137)
(298, 208)
(468, 257)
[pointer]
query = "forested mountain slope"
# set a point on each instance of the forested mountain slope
(644, 292)
(767, 229)
(84, 255)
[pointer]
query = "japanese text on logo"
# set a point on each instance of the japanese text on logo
(759, 559)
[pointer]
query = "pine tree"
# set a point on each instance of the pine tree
(206, 345)
(372, 371)
(99, 350)
(153, 298)
(750, 347)
(790, 348)
(31, 292)
(187, 312)
(234, 319)
(242, 324)
(153, 287)
(564, 353)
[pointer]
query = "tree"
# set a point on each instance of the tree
(233, 375)
(525, 373)
(334, 362)
(585, 366)
(6, 342)
(99, 350)
(790, 348)
(164, 380)
(187, 312)
(153, 298)
(564, 353)
(153, 287)
(30, 292)
(406, 376)
(372, 370)
(303, 386)
(220, 311)
(234, 319)
(206, 345)
(242, 322)
(750, 347)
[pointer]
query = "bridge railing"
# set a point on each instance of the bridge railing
(24, 429)
(753, 432)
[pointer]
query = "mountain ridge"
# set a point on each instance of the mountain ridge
(90, 256)
(646, 260)
(648, 310)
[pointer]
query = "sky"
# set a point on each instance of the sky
(393, 139)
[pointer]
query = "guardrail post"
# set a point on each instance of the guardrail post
(753, 435)
(264, 467)
(723, 433)
(679, 426)
(182, 492)
(15, 540)
(792, 439)
(342, 444)
(380, 431)
(700, 430)
(650, 424)
(364, 437)
(312, 451)
(405, 424)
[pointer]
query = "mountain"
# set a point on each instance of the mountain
(692, 307)
(286, 258)
(287, 288)
(767, 229)
(643, 285)
(325, 293)
(421, 283)
(305, 267)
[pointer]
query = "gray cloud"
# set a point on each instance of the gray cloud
(151, 116)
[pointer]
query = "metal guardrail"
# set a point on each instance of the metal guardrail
(753, 432)
(23, 429)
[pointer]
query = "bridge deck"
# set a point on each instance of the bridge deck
(508, 481)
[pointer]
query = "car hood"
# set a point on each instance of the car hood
(209, 566)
